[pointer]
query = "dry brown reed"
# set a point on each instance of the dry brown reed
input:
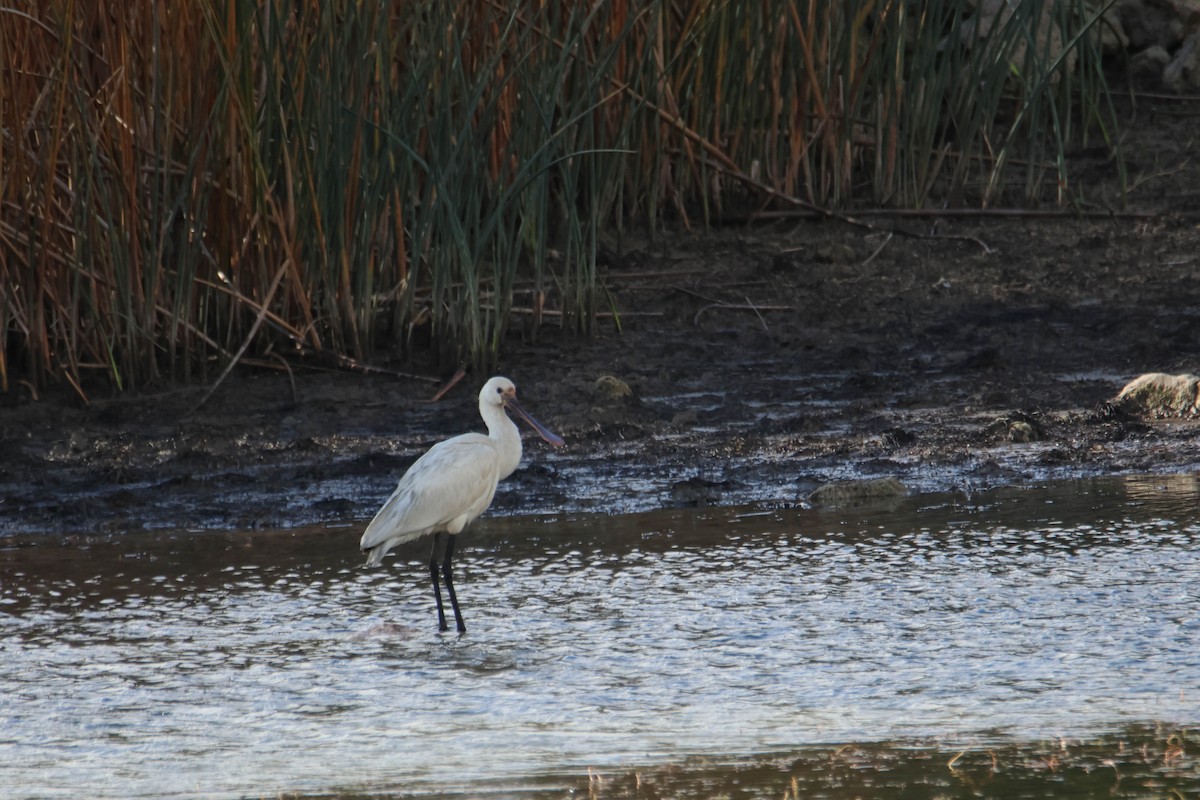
(185, 183)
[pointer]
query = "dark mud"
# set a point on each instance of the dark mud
(959, 352)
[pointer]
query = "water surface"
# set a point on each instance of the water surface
(223, 665)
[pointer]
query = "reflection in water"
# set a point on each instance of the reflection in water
(1157, 488)
(258, 663)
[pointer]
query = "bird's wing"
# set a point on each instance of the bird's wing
(454, 478)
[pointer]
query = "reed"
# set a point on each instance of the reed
(185, 184)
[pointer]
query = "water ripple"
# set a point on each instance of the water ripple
(256, 663)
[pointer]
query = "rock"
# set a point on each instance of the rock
(1045, 34)
(1150, 62)
(698, 492)
(835, 254)
(1157, 394)
(610, 389)
(688, 418)
(860, 492)
(1147, 23)
(1021, 432)
(1113, 39)
(1182, 75)
(1016, 427)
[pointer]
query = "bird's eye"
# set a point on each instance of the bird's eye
(499, 390)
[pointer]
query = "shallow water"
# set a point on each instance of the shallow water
(222, 665)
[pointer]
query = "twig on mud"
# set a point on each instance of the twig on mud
(272, 319)
(721, 304)
(551, 312)
(262, 313)
(808, 209)
(760, 316)
(1175, 98)
(78, 389)
(341, 361)
(738, 307)
(1144, 178)
(338, 361)
(696, 294)
(878, 250)
(612, 277)
(459, 374)
(291, 377)
(980, 213)
(953, 237)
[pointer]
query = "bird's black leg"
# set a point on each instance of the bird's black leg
(437, 593)
(450, 584)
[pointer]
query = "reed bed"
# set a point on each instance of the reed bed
(192, 184)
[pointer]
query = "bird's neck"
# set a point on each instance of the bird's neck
(503, 431)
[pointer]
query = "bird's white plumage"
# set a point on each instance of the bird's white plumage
(455, 481)
(444, 490)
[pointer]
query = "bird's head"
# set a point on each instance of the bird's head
(501, 392)
(498, 392)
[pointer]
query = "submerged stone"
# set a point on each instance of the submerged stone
(857, 492)
(1158, 395)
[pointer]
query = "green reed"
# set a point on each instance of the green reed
(191, 183)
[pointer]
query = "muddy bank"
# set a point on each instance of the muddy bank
(762, 361)
(761, 365)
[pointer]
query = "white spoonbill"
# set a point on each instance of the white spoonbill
(451, 485)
